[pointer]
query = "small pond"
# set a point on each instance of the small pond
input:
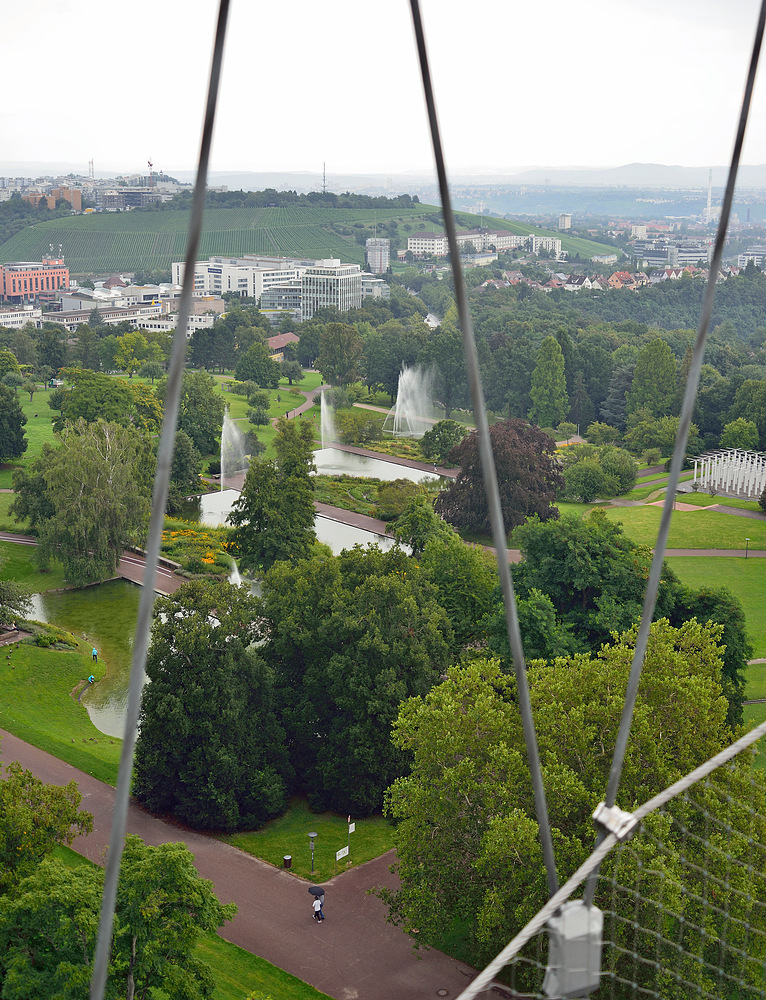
(105, 616)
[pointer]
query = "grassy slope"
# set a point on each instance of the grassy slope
(744, 578)
(699, 529)
(38, 429)
(38, 706)
(112, 241)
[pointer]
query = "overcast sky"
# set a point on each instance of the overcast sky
(553, 83)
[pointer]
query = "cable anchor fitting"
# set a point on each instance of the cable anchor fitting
(615, 821)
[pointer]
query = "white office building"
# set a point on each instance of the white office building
(15, 319)
(247, 276)
(330, 283)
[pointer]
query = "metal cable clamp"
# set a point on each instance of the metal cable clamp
(615, 821)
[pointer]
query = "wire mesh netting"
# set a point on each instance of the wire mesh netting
(683, 902)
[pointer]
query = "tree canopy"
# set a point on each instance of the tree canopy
(527, 475)
(349, 638)
(48, 928)
(201, 410)
(210, 750)
(550, 402)
(88, 498)
(13, 441)
(273, 517)
(467, 841)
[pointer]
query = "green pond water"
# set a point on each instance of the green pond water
(106, 617)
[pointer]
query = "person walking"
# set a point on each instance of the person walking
(95, 655)
(317, 907)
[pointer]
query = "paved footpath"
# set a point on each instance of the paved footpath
(353, 955)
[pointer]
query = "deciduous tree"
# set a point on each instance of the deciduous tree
(527, 474)
(34, 818)
(256, 366)
(13, 441)
(437, 443)
(654, 381)
(273, 517)
(340, 354)
(210, 750)
(201, 410)
(48, 928)
(467, 843)
(349, 638)
(88, 498)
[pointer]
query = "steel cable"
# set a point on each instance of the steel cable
(684, 423)
(159, 500)
(488, 466)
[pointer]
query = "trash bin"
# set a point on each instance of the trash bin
(287, 861)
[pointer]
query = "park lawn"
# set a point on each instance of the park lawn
(754, 715)
(18, 564)
(288, 834)
(237, 973)
(755, 683)
(7, 521)
(38, 706)
(745, 578)
(38, 430)
(698, 529)
(643, 492)
(705, 500)
(568, 508)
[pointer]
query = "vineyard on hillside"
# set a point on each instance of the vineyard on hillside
(143, 241)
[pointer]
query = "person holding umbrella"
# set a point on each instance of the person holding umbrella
(317, 905)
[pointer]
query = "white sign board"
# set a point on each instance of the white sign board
(341, 853)
(351, 827)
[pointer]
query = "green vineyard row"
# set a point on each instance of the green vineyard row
(142, 241)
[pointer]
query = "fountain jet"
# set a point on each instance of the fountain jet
(414, 412)
(327, 422)
(233, 458)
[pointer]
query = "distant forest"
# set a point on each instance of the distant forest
(271, 198)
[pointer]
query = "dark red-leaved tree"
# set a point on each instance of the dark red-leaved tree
(527, 474)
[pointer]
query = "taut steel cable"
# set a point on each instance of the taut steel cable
(488, 466)
(159, 500)
(684, 423)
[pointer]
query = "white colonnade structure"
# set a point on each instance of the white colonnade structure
(742, 473)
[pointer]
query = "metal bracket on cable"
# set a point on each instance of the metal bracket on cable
(615, 821)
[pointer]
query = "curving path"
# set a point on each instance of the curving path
(353, 955)
(132, 566)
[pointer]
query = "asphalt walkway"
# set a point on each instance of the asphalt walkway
(354, 955)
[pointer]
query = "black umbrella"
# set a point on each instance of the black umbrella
(316, 890)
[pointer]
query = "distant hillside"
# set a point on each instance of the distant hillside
(143, 241)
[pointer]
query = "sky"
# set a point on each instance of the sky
(517, 84)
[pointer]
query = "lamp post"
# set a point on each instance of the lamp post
(747, 546)
(312, 837)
